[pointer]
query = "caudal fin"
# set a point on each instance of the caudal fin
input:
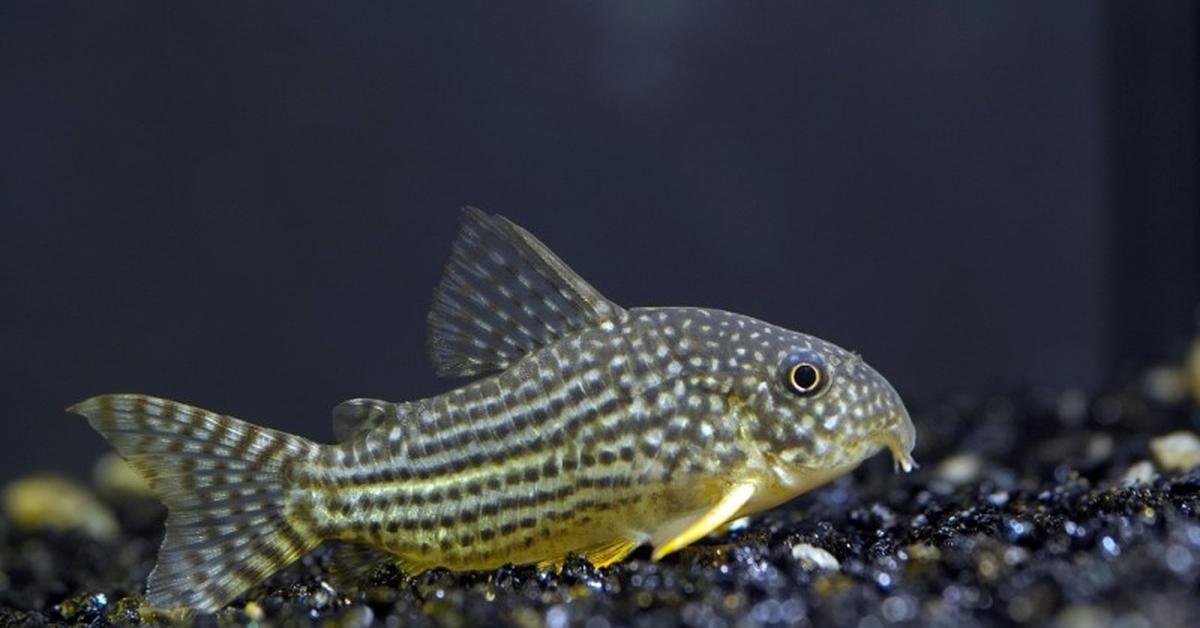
(223, 482)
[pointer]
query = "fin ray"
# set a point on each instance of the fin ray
(355, 416)
(600, 555)
(612, 552)
(729, 505)
(504, 294)
(223, 482)
(352, 562)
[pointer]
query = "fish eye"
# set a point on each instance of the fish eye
(805, 378)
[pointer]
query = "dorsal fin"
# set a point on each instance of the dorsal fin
(356, 416)
(503, 295)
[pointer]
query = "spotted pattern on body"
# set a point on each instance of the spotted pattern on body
(590, 429)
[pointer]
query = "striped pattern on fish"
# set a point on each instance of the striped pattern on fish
(593, 430)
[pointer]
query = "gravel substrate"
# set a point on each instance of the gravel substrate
(1042, 506)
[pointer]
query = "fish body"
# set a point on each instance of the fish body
(592, 429)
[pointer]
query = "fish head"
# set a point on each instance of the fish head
(817, 410)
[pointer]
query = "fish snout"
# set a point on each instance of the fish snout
(895, 431)
(901, 440)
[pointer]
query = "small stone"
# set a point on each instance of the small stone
(1141, 472)
(1015, 555)
(1082, 616)
(988, 568)
(924, 551)
(1170, 384)
(960, 469)
(113, 476)
(812, 557)
(1099, 448)
(356, 617)
(1179, 558)
(1165, 384)
(557, 617)
(1177, 451)
(741, 523)
(58, 502)
(899, 608)
(525, 617)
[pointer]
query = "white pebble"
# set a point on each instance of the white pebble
(1141, 472)
(741, 523)
(1177, 451)
(960, 469)
(812, 557)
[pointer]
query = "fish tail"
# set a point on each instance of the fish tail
(225, 483)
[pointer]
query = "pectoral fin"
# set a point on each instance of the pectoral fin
(353, 417)
(729, 505)
(600, 555)
(351, 562)
(611, 552)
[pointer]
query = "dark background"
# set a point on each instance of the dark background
(247, 205)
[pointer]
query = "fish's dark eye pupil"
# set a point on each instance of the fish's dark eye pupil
(804, 378)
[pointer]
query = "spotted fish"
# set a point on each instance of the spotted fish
(589, 429)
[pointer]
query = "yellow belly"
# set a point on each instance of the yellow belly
(612, 526)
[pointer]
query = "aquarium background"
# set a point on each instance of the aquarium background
(247, 206)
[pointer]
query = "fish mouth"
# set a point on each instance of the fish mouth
(897, 432)
(900, 441)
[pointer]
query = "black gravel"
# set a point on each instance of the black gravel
(1038, 528)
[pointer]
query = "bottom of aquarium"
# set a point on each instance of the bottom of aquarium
(1045, 506)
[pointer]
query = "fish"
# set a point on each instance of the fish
(583, 428)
